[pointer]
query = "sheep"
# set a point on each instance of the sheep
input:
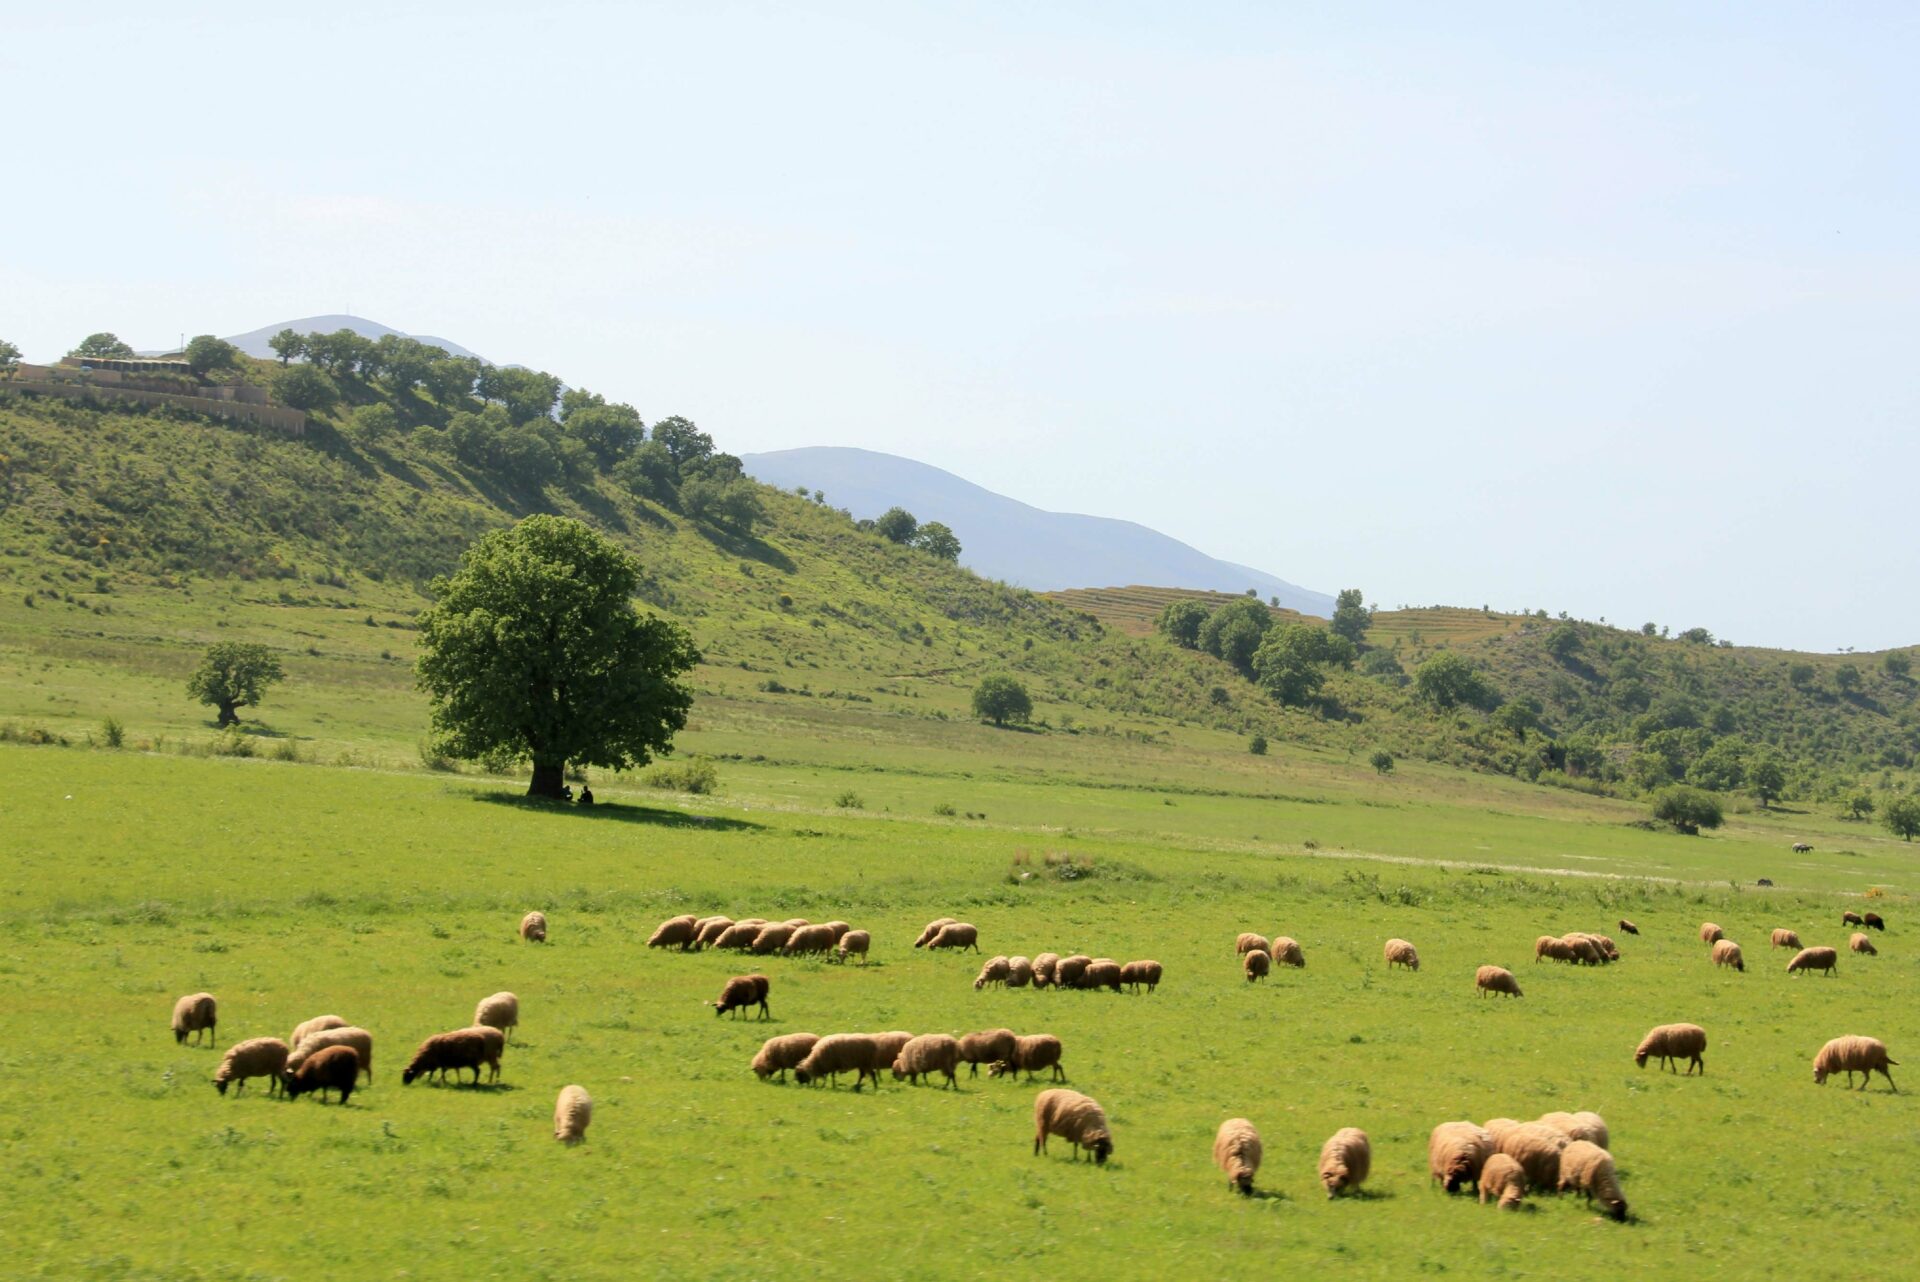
(256, 1057)
(1075, 1118)
(770, 939)
(707, 931)
(1069, 971)
(932, 929)
(1286, 952)
(1136, 973)
(1709, 932)
(533, 927)
(1859, 943)
(1019, 972)
(1029, 1056)
(740, 935)
(195, 1013)
(1873, 921)
(809, 939)
(1537, 1148)
(1399, 952)
(994, 971)
(462, 1048)
(313, 1043)
(1670, 1043)
(741, 992)
(839, 929)
(1852, 918)
(1236, 1150)
(1784, 938)
(1584, 949)
(778, 1054)
(1608, 949)
(928, 1054)
(1101, 973)
(336, 1068)
(1628, 928)
(1256, 964)
(1814, 959)
(1496, 979)
(853, 944)
(1499, 1126)
(571, 1113)
(836, 1054)
(501, 1011)
(1456, 1152)
(1854, 1054)
(1727, 953)
(987, 1047)
(1553, 948)
(1345, 1160)
(314, 1025)
(1587, 1126)
(674, 933)
(1504, 1179)
(1043, 969)
(1249, 943)
(496, 1047)
(959, 934)
(1588, 1168)
(886, 1049)
(1802, 848)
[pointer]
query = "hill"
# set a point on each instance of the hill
(1012, 541)
(254, 341)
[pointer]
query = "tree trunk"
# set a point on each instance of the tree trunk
(548, 779)
(228, 716)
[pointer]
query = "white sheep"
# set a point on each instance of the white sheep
(195, 1014)
(1345, 1159)
(1400, 953)
(533, 927)
(854, 944)
(358, 1038)
(1588, 1168)
(256, 1057)
(1455, 1153)
(1236, 1150)
(501, 1011)
(926, 1055)
(314, 1025)
(571, 1113)
(1670, 1043)
(778, 1054)
(995, 970)
(1074, 1117)
(1854, 1054)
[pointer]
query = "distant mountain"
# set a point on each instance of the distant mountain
(254, 342)
(1007, 539)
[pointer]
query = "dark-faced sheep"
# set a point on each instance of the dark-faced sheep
(1236, 1150)
(1628, 928)
(1286, 952)
(836, 1054)
(1068, 972)
(1074, 1117)
(1029, 1056)
(1859, 943)
(778, 1054)
(987, 1047)
(933, 929)
(1102, 972)
(1824, 959)
(533, 927)
(1587, 1168)
(1709, 932)
(1249, 942)
(451, 1052)
(1854, 1054)
(1456, 1151)
(337, 1068)
(1852, 918)
(1503, 1179)
(1256, 964)
(1537, 1148)
(994, 970)
(1784, 938)
(1727, 953)
(1496, 979)
(961, 935)
(1872, 921)
(256, 1057)
(743, 992)
(1136, 973)
(926, 1055)
(1399, 952)
(1670, 1043)
(1345, 1159)
(195, 1014)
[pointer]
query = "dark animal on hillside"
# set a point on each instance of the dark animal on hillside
(1802, 848)
(1766, 881)
(462, 1048)
(1872, 920)
(1851, 918)
(336, 1068)
(1628, 927)
(742, 992)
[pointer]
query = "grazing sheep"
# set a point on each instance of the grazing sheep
(1764, 881)
(1043, 969)
(771, 939)
(1584, 949)
(810, 939)
(1399, 952)
(1814, 959)
(1802, 848)
(316, 1024)
(1030, 1055)
(1456, 1152)
(336, 1068)
(1075, 1118)
(1136, 973)
(932, 929)
(1553, 948)
(741, 992)
(1727, 953)
(443, 1052)
(778, 1054)
(571, 1113)
(853, 944)
(707, 932)
(1859, 943)
(533, 927)
(985, 1048)
(1101, 973)
(838, 928)
(496, 1047)
(1499, 1126)
(501, 1011)
(1784, 938)
(313, 1043)
(795, 923)
(1710, 932)
(836, 1054)
(928, 1054)
(1609, 949)
(1628, 928)
(739, 935)
(1345, 1159)
(1851, 918)
(1504, 1179)
(674, 933)
(959, 934)
(994, 971)
(1872, 921)
(1537, 1148)
(1588, 1126)
(195, 1013)
(1256, 964)
(886, 1049)
(256, 1057)
(1069, 971)
(1854, 1054)
(1496, 979)
(1236, 1150)
(1019, 972)
(1250, 943)
(1588, 1168)
(1670, 1043)
(1286, 952)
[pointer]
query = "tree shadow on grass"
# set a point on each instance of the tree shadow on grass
(620, 812)
(746, 546)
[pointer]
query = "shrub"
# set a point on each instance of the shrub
(944, 810)
(112, 733)
(695, 775)
(1257, 745)
(1382, 762)
(849, 800)
(1687, 809)
(1000, 699)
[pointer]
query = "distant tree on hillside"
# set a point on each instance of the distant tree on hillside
(1448, 681)
(338, 353)
(526, 394)
(10, 362)
(1767, 776)
(1291, 662)
(449, 379)
(610, 432)
(648, 472)
(1687, 809)
(1722, 767)
(1847, 677)
(372, 424)
(403, 363)
(730, 502)
(1901, 815)
(684, 443)
(938, 541)
(303, 388)
(288, 344)
(234, 675)
(1697, 636)
(1000, 699)
(1180, 622)
(1897, 665)
(1859, 805)
(534, 650)
(206, 354)
(1563, 642)
(1517, 717)
(104, 345)
(1351, 618)
(1800, 675)
(1257, 745)
(896, 525)
(1234, 632)
(1382, 762)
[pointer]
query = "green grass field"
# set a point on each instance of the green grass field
(391, 897)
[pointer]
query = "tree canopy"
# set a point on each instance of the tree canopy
(104, 345)
(287, 344)
(303, 387)
(1000, 698)
(1687, 809)
(206, 354)
(1448, 681)
(938, 541)
(1290, 662)
(896, 525)
(1180, 623)
(1234, 632)
(1351, 618)
(234, 675)
(10, 360)
(1901, 815)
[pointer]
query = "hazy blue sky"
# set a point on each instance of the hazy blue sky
(1604, 308)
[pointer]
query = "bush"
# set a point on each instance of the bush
(1257, 745)
(696, 775)
(1687, 809)
(1382, 762)
(1000, 699)
(849, 800)
(112, 733)
(945, 811)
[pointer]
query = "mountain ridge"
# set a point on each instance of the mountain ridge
(254, 341)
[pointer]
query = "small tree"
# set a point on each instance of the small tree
(372, 424)
(1517, 717)
(1351, 618)
(1800, 675)
(1901, 815)
(938, 541)
(1897, 665)
(206, 354)
(1767, 776)
(105, 345)
(234, 675)
(1448, 681)
(1257, 745)
(1180, 623)
(1382, 762)
(1000, 699)
(1687, 809)
(10, 362)
(1289, 664)
(1563, 642)
(1847, 677)
(896, 525)
(303, 387)
(288, 344)
(1234, 632)
(1860, 806)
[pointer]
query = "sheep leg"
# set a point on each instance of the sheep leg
(1889, 1076)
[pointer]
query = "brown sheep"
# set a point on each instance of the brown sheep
(809, 939)
(1588, 1168)
(886, 1049)
(314, 1025)
(256, 1057)
(1496, 979)
(994, 970)
(462, 1048)
(1872, 921)
(959, 934)
(1399, 952)
(1498, 1126)
(533, 927)
(1814, 959)
(1505, 1179)
(1584, 1125)
(853, 944)
(1019, 972)
(839, 929)
(770, 939)
(926, 1055)
(707, 931)
(1101, 973)
(1670, 1043)
(1608, 949)
(1256, 964)
(358, 1038)
(1553, 948)
(1236, 1150)
(1859, 943)
(1069, 971)
(778, 1054)
(337, 1068)
(1710, 932)
(674, 932)
(739, 935)
(933, 928)
(1784, 938)
(1628, 928)
(1852, 918)
(1249, 942)
(1456, 1151)
(1727, 953)
(1075, 1118)
(1043, 969)
(1136, 973)
(1345, 1159)
(985, 1048)
(1537, 1148)
(1286, 952)
(742, 992)
(1030, 1055)
(1855, 1054)
(836, 1054)
(196, 1013)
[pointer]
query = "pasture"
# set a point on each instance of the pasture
(391, 898)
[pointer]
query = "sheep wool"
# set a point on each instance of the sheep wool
(886, 1049)
(1068, 972)
(1537, 1148)
(932, 929)
(994, 970)
(1727, 953)
(1498, 1126)
(1670, 1043)
(1503, 1178)
(1029, 1056)
(771, 939)
(533, 927)
(1250, 942)
(707, 931)
(496, 1046)
(1873, 921)
(807, 940)
(1345, 1159)
(1587, 1168)
(443, 1052)
(195, 1014)
(1074, 1117)
(795, 923)
(1824, 959)
(1286, 952)
(839, 929)
(335, 1068)
(1456, 1152)
(926, 1055)
(986, 1048)
(501, 1011)
(571, 1113)
(313, 1043)
(1851, 918)
(1019, 972)
(1587, 1126)
(778, 1054)
(1783, 938)
(1256, 964)
(1608, 949)
(1101, 973)
(1553, 948)
(739, 935)
(1710, 932)
(1859, 943)
(1854, 1054)
(854, 944)
(1496, 979)
(961, 935)
(316, 1024)
(836, 1054)
(1043, 969)
(1399, 952)
(1236, 1150)
(1136, 973)
(256, 1057)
